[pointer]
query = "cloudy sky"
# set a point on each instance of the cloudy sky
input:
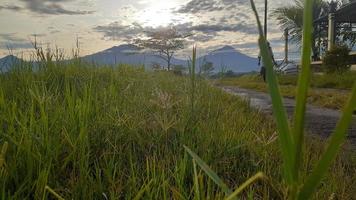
(101, 24)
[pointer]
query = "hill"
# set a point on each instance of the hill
(127, 54)
(8, 61)
(228, 58)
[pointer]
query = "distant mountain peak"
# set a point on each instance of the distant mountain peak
(227, 57)
(123, 48)
(225, 49)
(9, 57)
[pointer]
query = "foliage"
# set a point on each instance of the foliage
(342, 81)
(292, 139)
(206, 68)
(179, 69)
(163, 42)
(156, 66)
(337, 60)
(291, 18)
(322, 97)
(86, 132)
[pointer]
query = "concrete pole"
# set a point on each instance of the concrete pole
(286, 45)
(265, 21)
(331, 31)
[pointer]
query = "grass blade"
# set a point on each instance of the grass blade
(209, 171)
(336, 140)
(303, 85)
(50, 190)
(196, 181)
(279, 111)
(3, 154)
(251, 180)
(142, 191)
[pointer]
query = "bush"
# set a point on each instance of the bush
(179, 70)
(337, 60)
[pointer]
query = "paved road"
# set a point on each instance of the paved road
(320, 121)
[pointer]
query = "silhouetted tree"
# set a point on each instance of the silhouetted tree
(164, 42)
(206, 68)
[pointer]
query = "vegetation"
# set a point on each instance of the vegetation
(164, 43)
(324, 93)
(80, 132)
(75, 131)
(337, 59)
(292, 139)
(291, 18)
(342, 81)
(206, 68)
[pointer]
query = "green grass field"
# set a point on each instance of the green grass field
(329, 90)
(77, 132)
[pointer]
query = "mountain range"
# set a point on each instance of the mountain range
(8, 61)
(226, 58)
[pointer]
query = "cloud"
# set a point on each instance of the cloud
(11, 7)
(47, 7)
(12, 41)
(201, 32)
(196, 6)
(214, 28)
(11, 37)
(54, 32)
(117, 31)
(52, 7)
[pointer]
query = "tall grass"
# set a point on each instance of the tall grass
(85, 132)
(292, 139)
(69, 130)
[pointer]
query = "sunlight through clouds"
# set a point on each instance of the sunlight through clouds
(214, 23)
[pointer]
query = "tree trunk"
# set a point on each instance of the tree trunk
(169, 64)
(169, 58)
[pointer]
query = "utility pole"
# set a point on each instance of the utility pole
(265, 28)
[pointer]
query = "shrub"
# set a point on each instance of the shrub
(206, 68)
(337, 60)
(179, 70)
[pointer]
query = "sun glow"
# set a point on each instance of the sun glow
(159, 14)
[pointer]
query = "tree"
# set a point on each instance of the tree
(164, 42)
(337, 60)
(291, 18)
(206, 68)
(179, 70)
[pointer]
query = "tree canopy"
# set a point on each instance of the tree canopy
(164, 42)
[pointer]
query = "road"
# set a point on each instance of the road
(319, 121)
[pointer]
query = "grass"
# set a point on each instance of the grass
(291, 138)
(323, 97)
(81, 132)
(73, 131)
(343, 81)
(329, 81)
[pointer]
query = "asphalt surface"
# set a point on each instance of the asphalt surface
(319, 121)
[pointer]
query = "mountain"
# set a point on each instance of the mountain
(228, 58)
(128, 54)
(7, 62)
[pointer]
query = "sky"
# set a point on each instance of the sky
(101, 24)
